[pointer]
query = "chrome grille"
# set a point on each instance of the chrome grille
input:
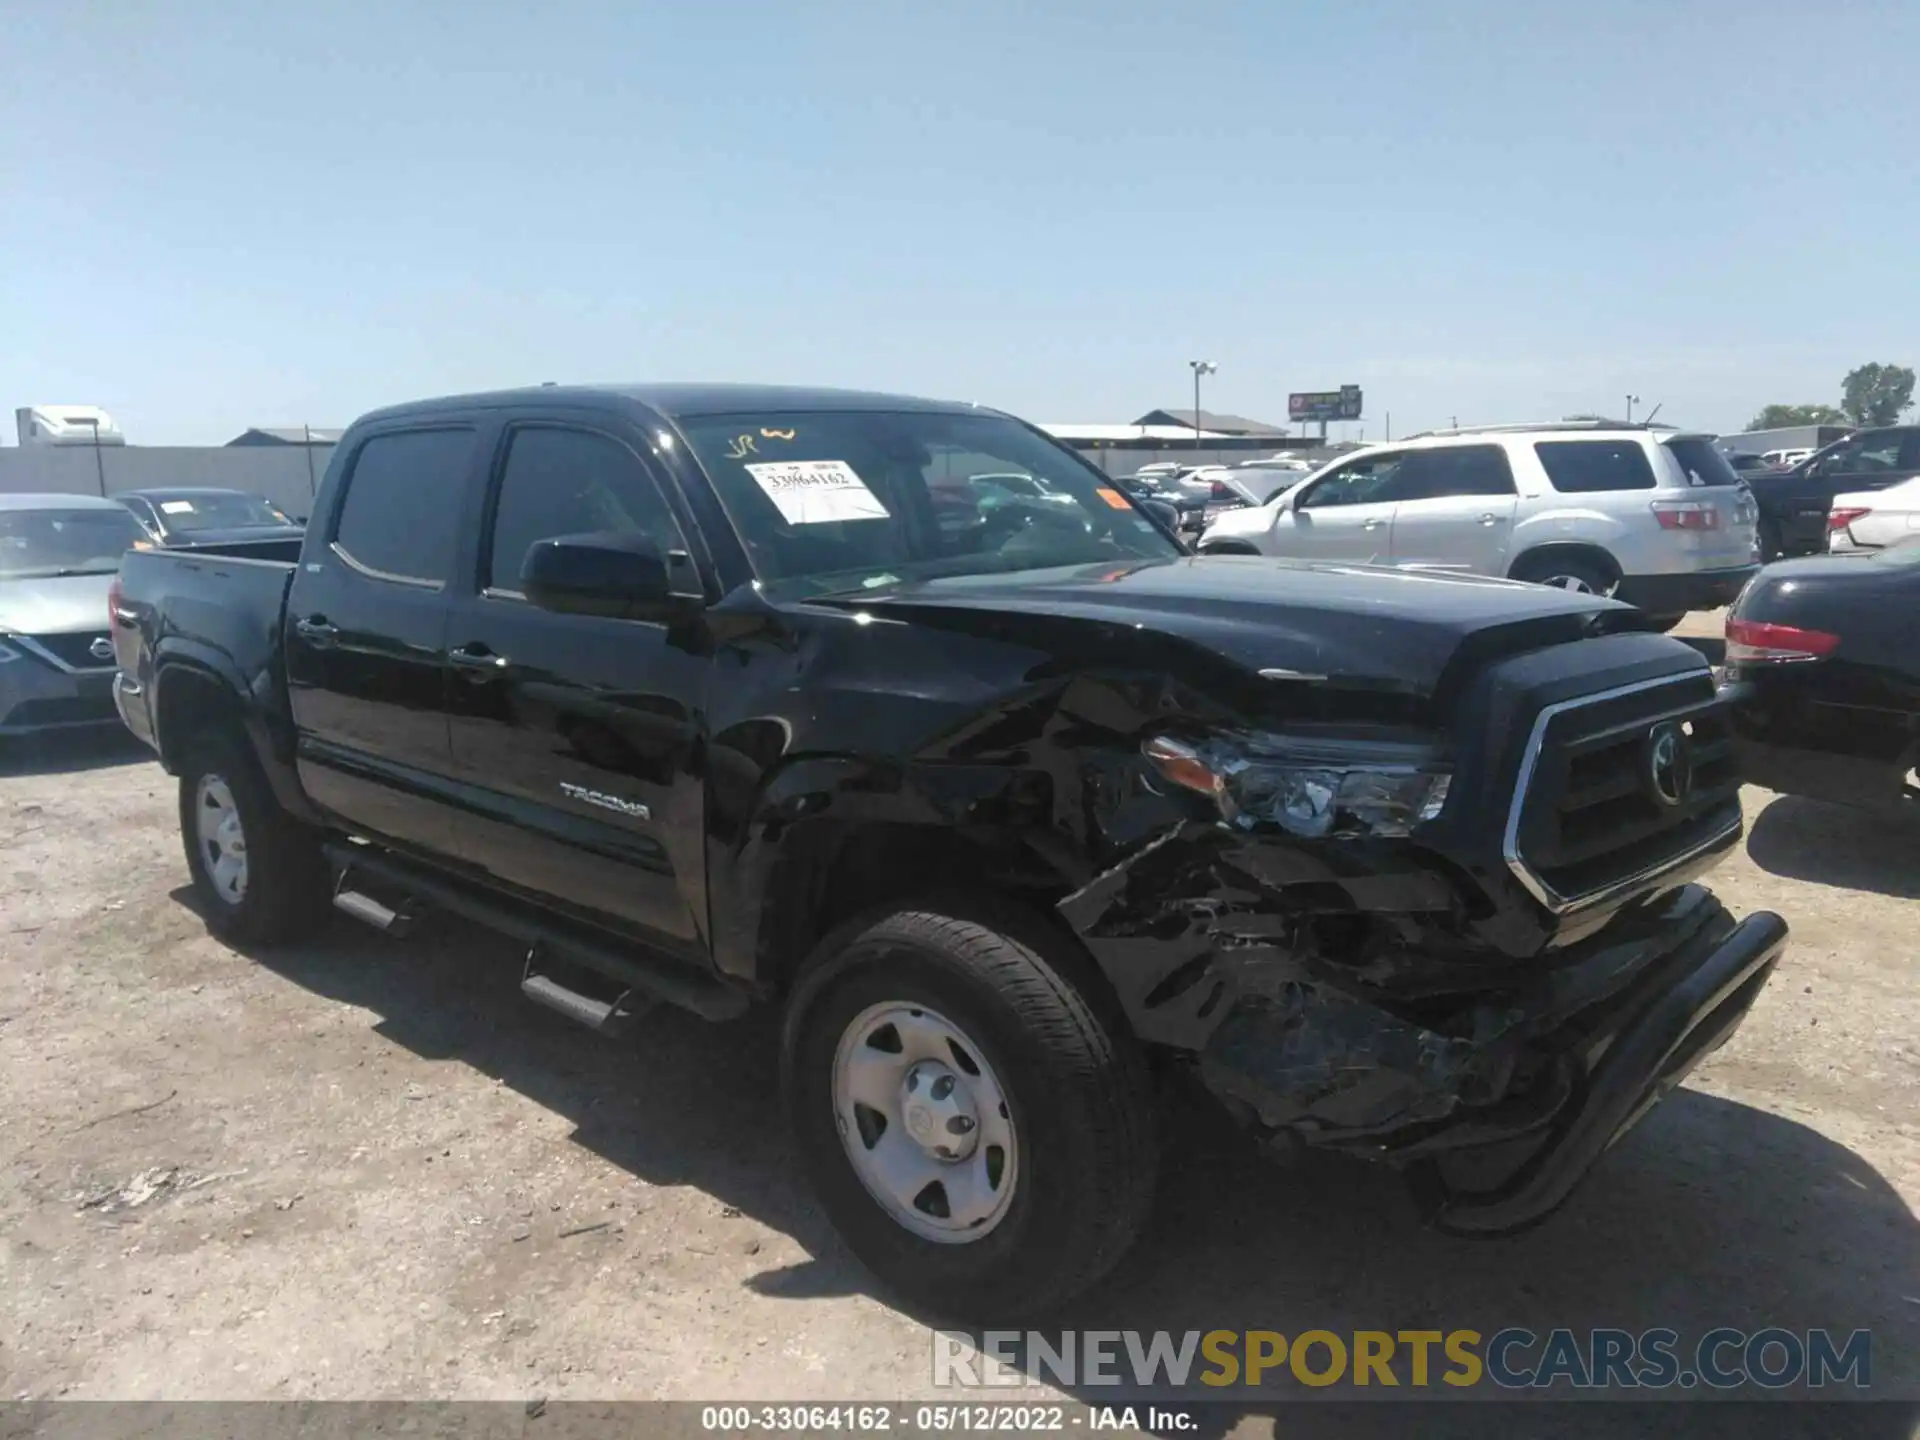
(1600, 805)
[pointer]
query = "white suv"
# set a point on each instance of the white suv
(1655, 517)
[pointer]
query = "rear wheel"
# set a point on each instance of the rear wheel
(1574, 572)
(1228, 547)
(1664, 623)
(979, 1135)
(258, 873)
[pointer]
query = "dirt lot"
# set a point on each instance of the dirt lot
(368, 1168)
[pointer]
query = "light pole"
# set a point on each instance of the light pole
(99, 465)
(1200, 367)
(1632, 400)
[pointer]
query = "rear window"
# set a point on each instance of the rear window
(1580, 467)
(1703, 463)
(402, 512)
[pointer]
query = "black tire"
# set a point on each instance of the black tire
(1075, 1081)
(1664, 623)
(1559, 570)
(1229, 547)
(286, 891)
(1772, 545)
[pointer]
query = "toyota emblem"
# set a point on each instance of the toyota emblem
(1669, 764)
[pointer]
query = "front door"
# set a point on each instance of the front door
(1347, 514)
(1456, 510)
(366, 638)
(576, 737)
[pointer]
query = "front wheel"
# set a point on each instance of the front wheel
(978, 1133)
(258, 873)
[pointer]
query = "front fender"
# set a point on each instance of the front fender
(774, 845)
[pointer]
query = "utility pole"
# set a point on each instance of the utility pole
(1200, 367)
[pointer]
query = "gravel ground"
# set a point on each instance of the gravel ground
(366, 1168)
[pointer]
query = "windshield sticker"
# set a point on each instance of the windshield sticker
(766, 434)
(176, 507)
(740, 447)
(1113, 498)
(817, 492)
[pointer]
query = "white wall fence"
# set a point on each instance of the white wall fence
(286, 475)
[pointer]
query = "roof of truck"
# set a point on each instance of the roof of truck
(682, 400)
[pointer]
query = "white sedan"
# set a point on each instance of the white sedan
(1875, 519)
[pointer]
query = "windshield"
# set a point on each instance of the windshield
(834, 501)
(39, 543)
(184, 514)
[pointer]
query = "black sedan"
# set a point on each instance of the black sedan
(1827, 678)
(183, 518)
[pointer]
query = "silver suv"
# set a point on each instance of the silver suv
(1655, 517)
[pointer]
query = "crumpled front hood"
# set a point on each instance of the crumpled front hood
(56, 604)
(1364, 625)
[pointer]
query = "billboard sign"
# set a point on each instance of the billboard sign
(1341, 404)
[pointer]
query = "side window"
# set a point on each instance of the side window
(1583, 467)
(1455, 470)
(1866, 454)
(1360, 482)
(1910, 455)
(402, 511)
(570, 482)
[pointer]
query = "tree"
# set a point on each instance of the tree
(1877, 394)
(1779, 417)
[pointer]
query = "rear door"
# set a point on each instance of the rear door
(1871, 460)
(575, 736)
(1347, 514)
(1456, 510)
(366, 635)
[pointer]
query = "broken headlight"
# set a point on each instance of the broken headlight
(1311, 788)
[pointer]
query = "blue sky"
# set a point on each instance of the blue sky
(219, 215)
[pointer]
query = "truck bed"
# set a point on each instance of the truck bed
(217, 611)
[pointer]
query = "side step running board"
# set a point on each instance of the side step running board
(606, 1017)
(364, 907)
(660, 979)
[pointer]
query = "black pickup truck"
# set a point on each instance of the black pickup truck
(717, 695)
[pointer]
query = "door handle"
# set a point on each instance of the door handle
(1489, 519)
(1371, 524)
(478, 661)
(316, 629)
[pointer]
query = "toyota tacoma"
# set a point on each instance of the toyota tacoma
(718, 695)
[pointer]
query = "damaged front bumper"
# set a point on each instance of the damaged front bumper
(1354, 1007)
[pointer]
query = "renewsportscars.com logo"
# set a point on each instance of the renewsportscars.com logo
(1513, 1358)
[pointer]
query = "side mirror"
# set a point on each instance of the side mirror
(620, 577)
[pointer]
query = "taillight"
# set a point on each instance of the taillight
(1841, 519)
(113, 603)
(1756, 642)
(1686, 515)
